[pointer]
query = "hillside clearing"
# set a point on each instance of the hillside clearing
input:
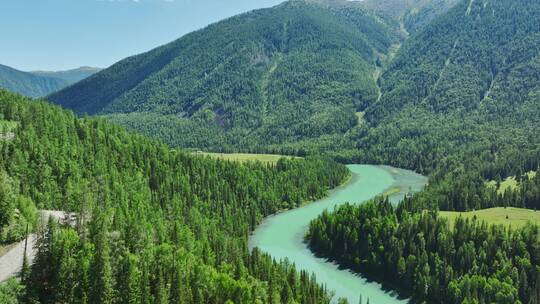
(509, 183)
(245, 157)
(7, 129)
(514, 217)
(360, 117)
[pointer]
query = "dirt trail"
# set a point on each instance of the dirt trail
(11, 262)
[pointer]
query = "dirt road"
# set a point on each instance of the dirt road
(11, 262)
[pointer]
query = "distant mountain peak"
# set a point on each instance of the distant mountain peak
(81, 68)
(41, 83)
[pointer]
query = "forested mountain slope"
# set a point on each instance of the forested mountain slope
(462, 90)
(154, 225)
(296, 71)
(465, 84)
(29, 84)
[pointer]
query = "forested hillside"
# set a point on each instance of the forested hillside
(291, 78)
(449, 88)
(29, 84)
(295, 72)
(422, 257)
(461, 102)
(154, 225)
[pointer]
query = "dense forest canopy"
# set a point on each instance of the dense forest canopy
(154, 225)
(421, 256)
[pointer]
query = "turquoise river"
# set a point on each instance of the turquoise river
(282, 235)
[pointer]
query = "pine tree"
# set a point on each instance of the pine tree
(101, 281)
(25, 269)
(535, 295)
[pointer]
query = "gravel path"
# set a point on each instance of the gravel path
(11, 262)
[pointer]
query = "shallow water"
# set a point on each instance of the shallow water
(282, 235)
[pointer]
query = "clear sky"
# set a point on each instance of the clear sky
(65, 34)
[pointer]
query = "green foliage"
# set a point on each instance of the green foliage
(508, 216)
(459, 101)
(10, 291)
(7, 199)
(464, 86)
(17, 212)
(421, 256)
(461, 91)
(153, 224)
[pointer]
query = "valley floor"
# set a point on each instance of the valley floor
(512, 217)
(244, 157)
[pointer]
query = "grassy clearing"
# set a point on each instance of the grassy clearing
(8, 126)
(360, 117)
(7, 129)
(392, 191)
(246, 157)
(515, 217)
(509, 182)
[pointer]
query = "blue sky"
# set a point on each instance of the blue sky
(64, 34)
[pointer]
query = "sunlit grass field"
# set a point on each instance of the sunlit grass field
(246, 157)
(509, 182)
(514, 217)
(7, 126)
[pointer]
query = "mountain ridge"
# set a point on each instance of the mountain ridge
(71, 75)
(40, 83)
(250, 74)
(27, 83)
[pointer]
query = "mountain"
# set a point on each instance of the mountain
(70, 76)
(467, 83)
(339, 77)
(29, 84)
(297, 71)
(40, 83)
